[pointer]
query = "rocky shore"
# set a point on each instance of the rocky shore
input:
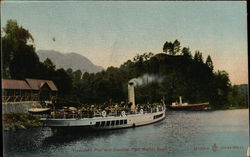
(15, 121)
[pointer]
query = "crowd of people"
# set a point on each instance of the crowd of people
(97, 110)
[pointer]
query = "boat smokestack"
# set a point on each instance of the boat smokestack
(131, 95)
(180, 99)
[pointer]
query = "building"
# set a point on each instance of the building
(28, 90)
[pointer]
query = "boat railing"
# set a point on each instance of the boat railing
(64, 114)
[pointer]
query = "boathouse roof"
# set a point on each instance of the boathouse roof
(27, 84)
(15, 84)
(36, 84)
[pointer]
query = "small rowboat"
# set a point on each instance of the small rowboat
(39, 110)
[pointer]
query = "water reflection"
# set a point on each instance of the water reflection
(43, 139)
(62, 139)
(23, 140)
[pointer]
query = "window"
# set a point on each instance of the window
(108, 123)
(121, 122)
(97, 124)
(112, 123)
(103, 123)
(117, 122)
(125, 121)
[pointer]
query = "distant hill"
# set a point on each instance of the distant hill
(70, 60)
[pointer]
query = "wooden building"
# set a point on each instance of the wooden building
(28, 90)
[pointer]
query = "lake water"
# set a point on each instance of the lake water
(182, 133)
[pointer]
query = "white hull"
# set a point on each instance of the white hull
(109, 122)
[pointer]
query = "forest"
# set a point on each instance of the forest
(171, 73)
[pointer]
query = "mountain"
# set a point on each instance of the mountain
(70, 60)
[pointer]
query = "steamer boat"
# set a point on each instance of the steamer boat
(122, 119)
(190, 107)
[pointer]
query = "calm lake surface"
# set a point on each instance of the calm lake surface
(182, 133)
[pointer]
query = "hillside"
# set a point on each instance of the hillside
(70, 60)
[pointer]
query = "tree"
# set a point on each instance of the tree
(63, 82)
(209, 63)
(85, 76)
(172, 48)
(186, 52)
(221, 85)
(138, 58)
(236, 97)
(19, 57)
(147, 56)
(77, 75)
(24, 64)
(167, 47)
(176, 47)
(126, 64)
(198, 57)
(17, 33)
(49, 64)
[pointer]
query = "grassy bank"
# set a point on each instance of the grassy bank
(14, 121)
